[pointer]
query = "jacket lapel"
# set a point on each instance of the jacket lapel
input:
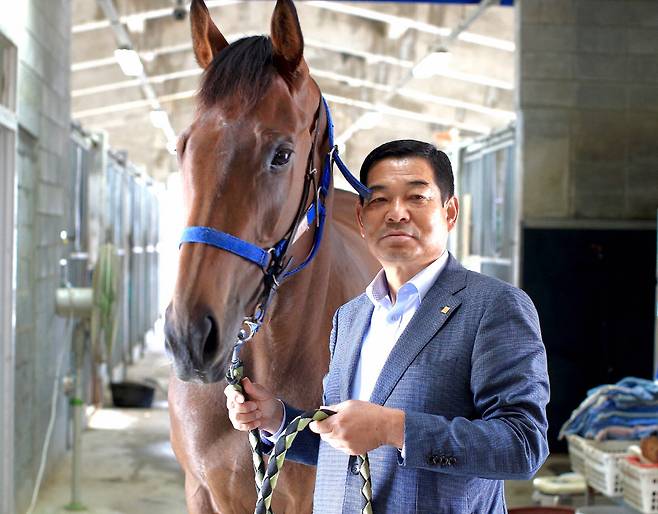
(352, 338)
(436, 308)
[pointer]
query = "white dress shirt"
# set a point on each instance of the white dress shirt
(387, 323)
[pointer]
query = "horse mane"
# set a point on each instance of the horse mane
(245, 67)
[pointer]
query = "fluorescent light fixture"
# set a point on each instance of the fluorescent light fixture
(159, 118)
(136, 24)
(369, 120)
(396, 29)
(432, 63)
(129, 61)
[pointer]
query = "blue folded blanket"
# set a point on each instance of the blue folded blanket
(625, 410)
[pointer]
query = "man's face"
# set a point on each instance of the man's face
(404, 222)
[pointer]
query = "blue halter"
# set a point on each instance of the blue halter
(270, 259)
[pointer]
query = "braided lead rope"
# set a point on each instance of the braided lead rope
(266, 481)
(234, 377)
(277, 459)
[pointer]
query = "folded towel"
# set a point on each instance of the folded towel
(631, 403)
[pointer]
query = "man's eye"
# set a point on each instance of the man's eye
(418, 197)
(378, 199)
(281, 158)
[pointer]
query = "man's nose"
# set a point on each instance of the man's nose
(397, 212)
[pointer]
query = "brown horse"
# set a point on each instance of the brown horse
(243, 159)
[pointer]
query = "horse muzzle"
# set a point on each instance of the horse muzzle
(193, 346)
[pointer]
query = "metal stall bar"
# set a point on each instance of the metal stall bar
(8, 126)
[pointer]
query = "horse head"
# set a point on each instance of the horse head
(243, 161)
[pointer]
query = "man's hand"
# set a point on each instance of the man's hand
(358, 427)
(262, 410)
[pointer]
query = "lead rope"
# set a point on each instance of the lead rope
(266, 480)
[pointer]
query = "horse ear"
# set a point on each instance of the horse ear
(287, 39)
(207, 40)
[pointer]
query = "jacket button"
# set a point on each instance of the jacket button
(444, 461)
(355, 469)
(433, 459)
(452, 461)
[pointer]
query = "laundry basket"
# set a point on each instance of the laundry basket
(577, 446)
(602, 465)
(640, 485)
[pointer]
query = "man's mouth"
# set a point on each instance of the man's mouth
(395, 234)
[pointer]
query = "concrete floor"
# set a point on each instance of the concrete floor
(129, 468)
(128, 464)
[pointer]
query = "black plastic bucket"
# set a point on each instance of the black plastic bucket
(132, 394)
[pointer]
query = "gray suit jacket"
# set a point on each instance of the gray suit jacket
(470, 373)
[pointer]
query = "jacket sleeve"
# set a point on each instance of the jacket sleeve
(306, 445)
(509, 383)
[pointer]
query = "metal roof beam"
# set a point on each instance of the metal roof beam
(330, 75)
(340, 7)
(369, 106)
(149, 55)
(400, 21)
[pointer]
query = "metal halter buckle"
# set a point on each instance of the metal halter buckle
(248, 330)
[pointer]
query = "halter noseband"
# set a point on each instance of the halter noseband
(272, 261)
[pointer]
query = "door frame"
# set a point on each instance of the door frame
(8, 126)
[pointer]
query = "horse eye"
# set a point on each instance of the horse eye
(281, 158)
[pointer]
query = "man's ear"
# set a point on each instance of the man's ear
(207, 40)
(359, 219)
(287, 40)
(452, 212)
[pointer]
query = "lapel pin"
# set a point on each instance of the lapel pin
(445, 310)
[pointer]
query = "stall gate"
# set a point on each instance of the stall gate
(486, 184)
(114, 203)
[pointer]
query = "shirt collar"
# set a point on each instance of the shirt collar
(419, 284)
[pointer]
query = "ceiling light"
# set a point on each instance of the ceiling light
(148, 56)
(369, 120)
(159, 118)
(129, 61)
(396, 29)
(136, 24)
(432, 63)
(353, 82)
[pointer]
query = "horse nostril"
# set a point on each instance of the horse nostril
(211, 344)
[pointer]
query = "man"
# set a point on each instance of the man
(437, 372)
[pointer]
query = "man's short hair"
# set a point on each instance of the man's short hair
(437, 159)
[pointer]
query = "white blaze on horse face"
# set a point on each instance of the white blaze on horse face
(404, 222)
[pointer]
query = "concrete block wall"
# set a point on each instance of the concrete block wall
(587, 95)
(41, 31)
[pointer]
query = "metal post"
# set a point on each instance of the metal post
(8, 129)
(78, 404)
